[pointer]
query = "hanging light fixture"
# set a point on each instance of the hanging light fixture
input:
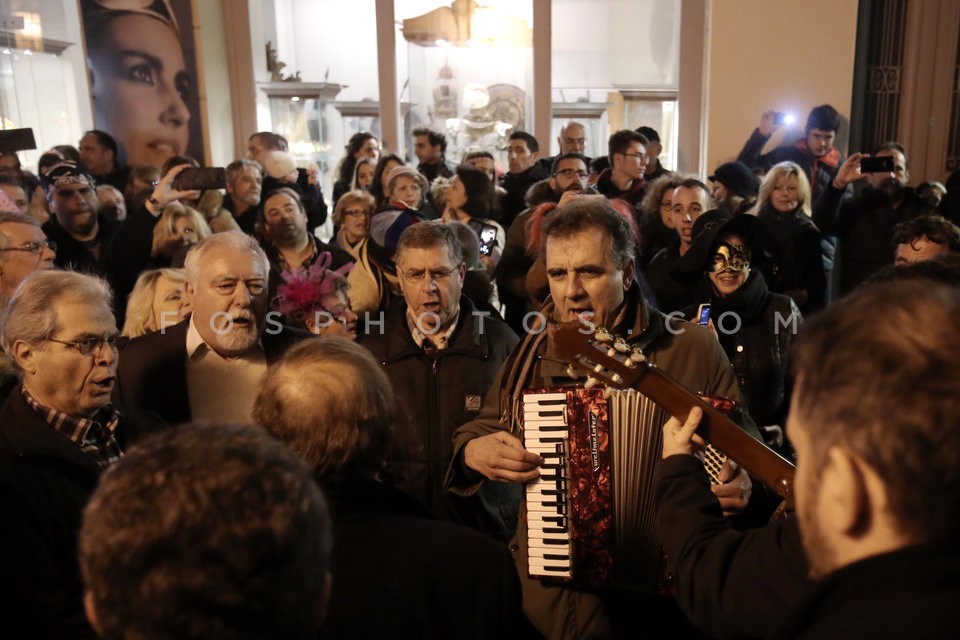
(466, 23)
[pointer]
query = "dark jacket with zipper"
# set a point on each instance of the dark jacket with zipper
(757, 341)
(45, 482)
(434, 396)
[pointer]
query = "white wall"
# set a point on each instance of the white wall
(215, 99)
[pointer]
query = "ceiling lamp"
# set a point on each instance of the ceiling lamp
(466, 23)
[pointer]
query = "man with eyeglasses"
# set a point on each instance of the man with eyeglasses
(23, 249)
(81, 233)
(624, 179)
(568, 179)
(58, 431)
(208, 367)
(441, 355)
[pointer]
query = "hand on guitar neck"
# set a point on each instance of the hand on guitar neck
(682, 439)
(501, 457)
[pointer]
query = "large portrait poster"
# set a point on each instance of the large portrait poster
(142, 64)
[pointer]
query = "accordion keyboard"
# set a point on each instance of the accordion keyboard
(545, 433)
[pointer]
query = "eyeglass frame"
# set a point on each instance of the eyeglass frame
(356, 213)
(582, 175)
(37, 248)
(435, 275)
(96, 344)
(636, 155)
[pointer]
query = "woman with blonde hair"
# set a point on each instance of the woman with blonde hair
(178, 228)
(784, 208)
(158, 301)
(369, 291)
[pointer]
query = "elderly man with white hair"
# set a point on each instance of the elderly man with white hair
(208, 366)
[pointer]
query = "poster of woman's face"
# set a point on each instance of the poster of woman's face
(143, 77)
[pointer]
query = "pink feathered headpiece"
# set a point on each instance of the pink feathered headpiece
(304, 289)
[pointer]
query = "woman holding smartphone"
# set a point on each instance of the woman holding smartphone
(469, 200)
(755, 327)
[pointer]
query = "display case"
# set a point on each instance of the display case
(467, 71)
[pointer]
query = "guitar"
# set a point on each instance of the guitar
(618, 365)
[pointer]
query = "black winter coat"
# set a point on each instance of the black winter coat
(402, 574)
(434, 397)
(864, 228)
(758, 350)
(798, 265)
(820, 171)
(731, 584)
(45, 482)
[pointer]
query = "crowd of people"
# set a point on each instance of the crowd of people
(296, 435)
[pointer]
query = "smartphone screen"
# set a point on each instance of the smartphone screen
(488, 238)
(779, 117)
(881, 164)
(201, 179)
(703, 314)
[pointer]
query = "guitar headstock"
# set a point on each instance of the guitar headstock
(599, 354)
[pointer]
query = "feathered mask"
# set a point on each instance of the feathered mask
(304, 289)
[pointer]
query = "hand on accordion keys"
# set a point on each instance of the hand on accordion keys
(681, 438)
(501, 457)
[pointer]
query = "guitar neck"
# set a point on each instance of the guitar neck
(760, 461)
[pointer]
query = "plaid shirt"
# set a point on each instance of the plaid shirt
(93, 435)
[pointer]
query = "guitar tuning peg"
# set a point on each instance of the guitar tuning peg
(611, 352)
(602, 335)
(637, 356)
(590, 383)
(571, 372)
(621, 345)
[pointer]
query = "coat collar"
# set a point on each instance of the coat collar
(398, 344)
(28, 436)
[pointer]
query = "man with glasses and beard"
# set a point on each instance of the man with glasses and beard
(568, 179)
(208, 366)
(864, 223)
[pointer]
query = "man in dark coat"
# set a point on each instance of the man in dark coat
(209, 366)
(815, 152)
(873, 420)
(864, 224)
(589, 260)
(261, 144)
(81, 234)
(397, 571)
(58, 431)
(441, 356)
(524, 171)
(628, 162)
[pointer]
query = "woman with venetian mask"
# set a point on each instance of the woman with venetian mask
(755, 326)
